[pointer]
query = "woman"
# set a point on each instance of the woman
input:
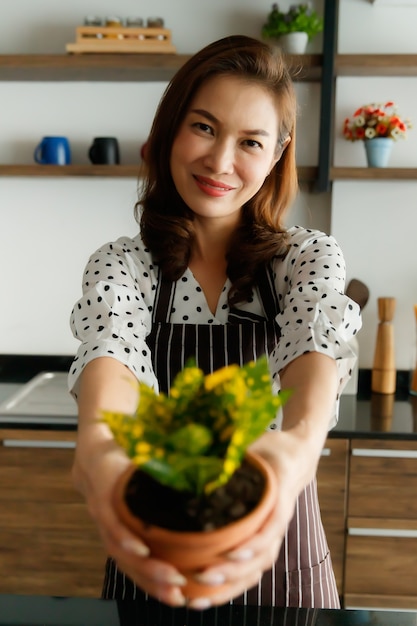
(214, 274)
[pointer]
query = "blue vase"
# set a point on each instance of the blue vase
(378, 151)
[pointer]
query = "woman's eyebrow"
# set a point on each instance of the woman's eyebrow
(213, 118)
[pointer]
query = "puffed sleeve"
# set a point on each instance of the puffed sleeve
(315, 314)
(113, 317)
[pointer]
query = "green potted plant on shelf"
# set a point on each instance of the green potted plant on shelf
(378, 126)
(292, 29)
(185, 491)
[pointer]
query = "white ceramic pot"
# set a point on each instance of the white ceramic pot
(293, 43)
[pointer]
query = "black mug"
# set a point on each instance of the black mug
(104, 151)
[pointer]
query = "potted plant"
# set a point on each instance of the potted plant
(377, 125)
(294, 28)
(192, 486)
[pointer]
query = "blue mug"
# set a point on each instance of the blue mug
(53, 151)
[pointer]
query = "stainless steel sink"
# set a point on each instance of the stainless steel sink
(45, 399)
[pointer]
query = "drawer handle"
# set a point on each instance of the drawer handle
(383, 532)
(33, 443)
(393, 454)
(326, 452)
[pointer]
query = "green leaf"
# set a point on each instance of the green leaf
(192, 439)
(184, 474)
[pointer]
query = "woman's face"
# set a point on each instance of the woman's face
(225, 147)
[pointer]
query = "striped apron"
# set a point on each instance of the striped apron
(303, 574)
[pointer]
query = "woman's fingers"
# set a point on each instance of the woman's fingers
(235, 576)
(158, 579)
(228, 591)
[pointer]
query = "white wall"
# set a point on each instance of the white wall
(49, 226)
(45, 26)
(376, 222)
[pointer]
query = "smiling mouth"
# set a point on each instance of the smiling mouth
(214, 185)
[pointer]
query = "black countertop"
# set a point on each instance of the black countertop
(361, 416)
(49, 611)
(377, 415)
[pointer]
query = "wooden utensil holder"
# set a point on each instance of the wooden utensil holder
(383, 372)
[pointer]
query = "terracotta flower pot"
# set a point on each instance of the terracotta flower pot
(191, 552)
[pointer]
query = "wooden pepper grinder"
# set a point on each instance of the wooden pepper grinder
(413, 386)
(383, 372)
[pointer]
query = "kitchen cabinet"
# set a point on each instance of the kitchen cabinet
(367, 486)
(381, 547)
(48, 543)
(332, 482)
(367, 497)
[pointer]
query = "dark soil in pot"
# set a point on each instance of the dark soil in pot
(181, 511)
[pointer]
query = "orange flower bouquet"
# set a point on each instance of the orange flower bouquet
(376, 120)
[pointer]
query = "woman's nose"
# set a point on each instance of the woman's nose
(220, 157)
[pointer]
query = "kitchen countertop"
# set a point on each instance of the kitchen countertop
(361, 416)
(50, 611)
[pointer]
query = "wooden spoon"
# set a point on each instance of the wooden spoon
(358, 292)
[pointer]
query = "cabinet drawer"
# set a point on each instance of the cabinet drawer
(332, 486)
(35, 466)
(53, 563)
(383, 479)
(381, 565)
(49, 545)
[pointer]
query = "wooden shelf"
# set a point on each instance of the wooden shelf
(306, 174)
(90, 67)
(117, 171)
(373, 173)
(376, 65)
(121, 67)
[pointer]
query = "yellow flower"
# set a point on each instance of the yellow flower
(230, 466)
(199, 433)
(219, 377)
(143, 448)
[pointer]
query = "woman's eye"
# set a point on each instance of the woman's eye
(251, 143)
(205, 128)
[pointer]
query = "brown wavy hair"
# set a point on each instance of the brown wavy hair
(166, 221)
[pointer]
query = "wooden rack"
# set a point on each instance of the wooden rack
(112, 39)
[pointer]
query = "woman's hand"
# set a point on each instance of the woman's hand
(95, 473)
(99, 462)
(243, 567)
(293, 454)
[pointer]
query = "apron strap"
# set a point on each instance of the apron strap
(164, 297)
(267, 292)
(268, 296)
